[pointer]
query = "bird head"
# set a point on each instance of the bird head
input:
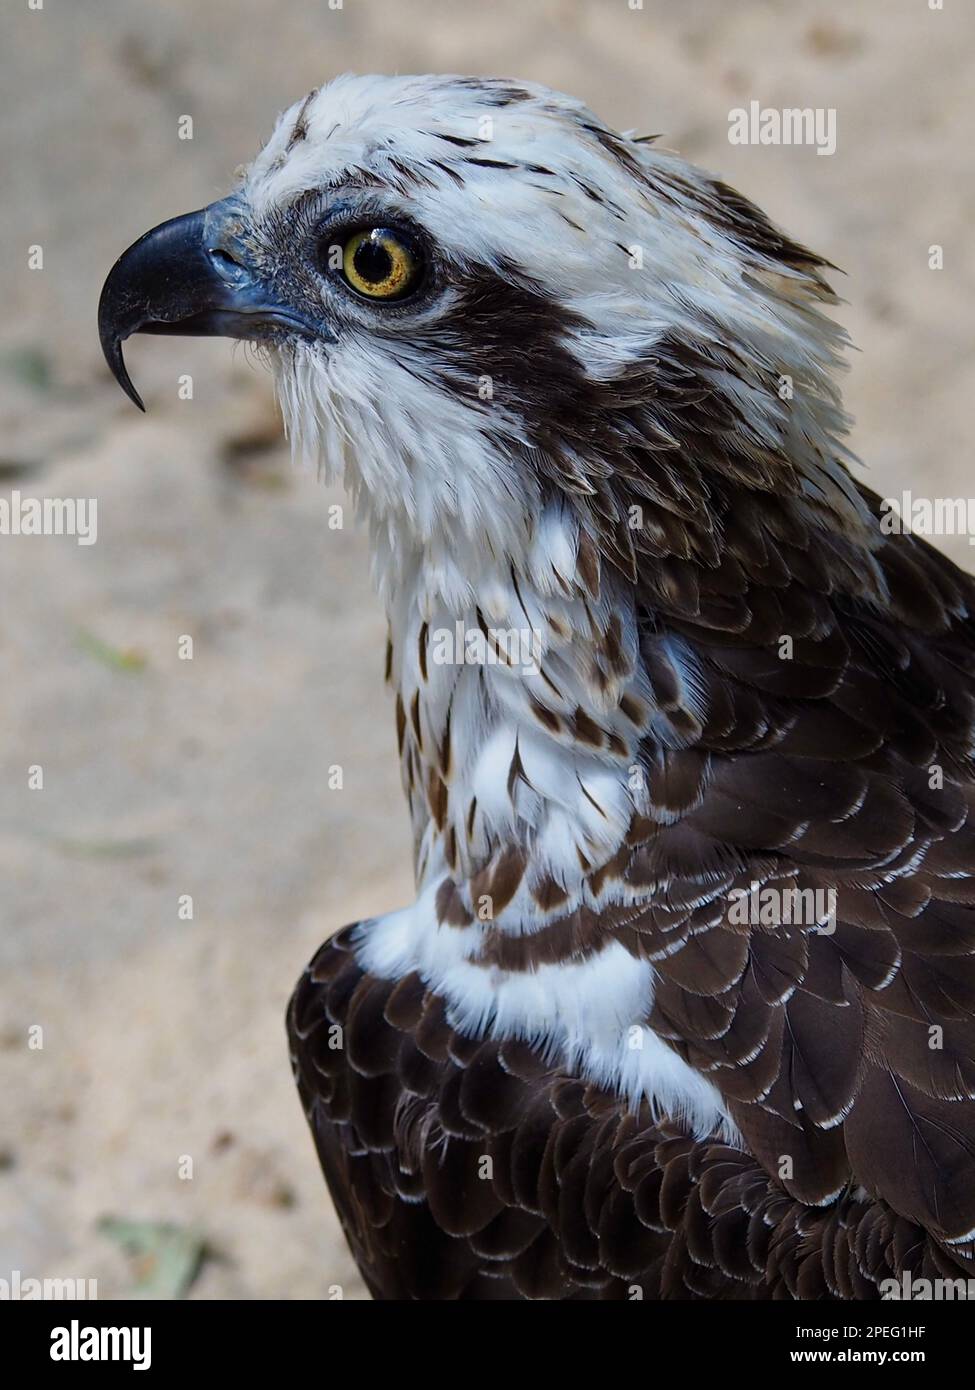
(482, 304)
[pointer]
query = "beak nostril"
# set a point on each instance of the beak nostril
(225, 263)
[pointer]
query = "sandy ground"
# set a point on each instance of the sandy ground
(162, 1037)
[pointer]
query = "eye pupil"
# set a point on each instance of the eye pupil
(372, 262)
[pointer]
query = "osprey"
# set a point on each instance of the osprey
(685, 1005)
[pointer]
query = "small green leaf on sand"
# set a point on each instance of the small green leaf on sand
(165, 1259)
(118, 658)
(31, 366)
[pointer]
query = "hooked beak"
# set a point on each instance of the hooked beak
(192, 275)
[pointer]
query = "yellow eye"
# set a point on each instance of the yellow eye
(379, 263)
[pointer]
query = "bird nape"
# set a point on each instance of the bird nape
(685, 1005)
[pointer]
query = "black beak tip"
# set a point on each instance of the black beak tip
(112, 348)
(111, 340)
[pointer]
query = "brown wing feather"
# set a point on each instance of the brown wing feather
(847, 1058)
(482, 1173)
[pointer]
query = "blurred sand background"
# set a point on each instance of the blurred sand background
(163, 1037)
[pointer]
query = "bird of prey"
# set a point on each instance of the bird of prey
(685, 1005)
